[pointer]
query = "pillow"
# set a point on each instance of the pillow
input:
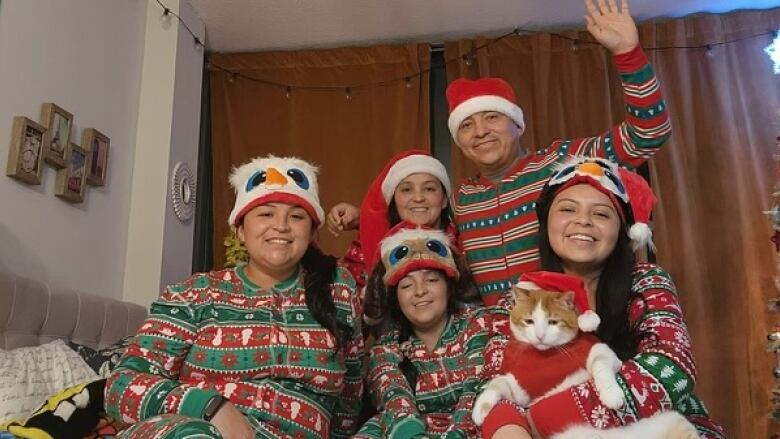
(29, 375)
(72, 413)
(104, 360)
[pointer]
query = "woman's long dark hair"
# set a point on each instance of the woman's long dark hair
(319, 272)
(614, 288)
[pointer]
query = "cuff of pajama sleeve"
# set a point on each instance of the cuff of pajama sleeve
(407, 427)
(502, 414)
(631, 61)
(194, 401)
(555, 413)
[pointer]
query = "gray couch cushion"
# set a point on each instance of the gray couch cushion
(32, 313)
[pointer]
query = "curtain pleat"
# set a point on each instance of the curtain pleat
(349, 138)
(713, 178)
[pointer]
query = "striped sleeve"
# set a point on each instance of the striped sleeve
(145, 382)
(646, 126)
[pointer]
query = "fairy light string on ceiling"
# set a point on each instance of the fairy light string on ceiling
(349, 89)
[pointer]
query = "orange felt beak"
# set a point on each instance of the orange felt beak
(274, 177)
(591, 168)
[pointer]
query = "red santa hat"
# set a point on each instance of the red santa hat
(466, 97)
(408, 248)
(618, 184)
(373, 211)
(587, 320)
(642, 200)
(275, 179)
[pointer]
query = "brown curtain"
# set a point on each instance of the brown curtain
(350, 138)
(713, 178)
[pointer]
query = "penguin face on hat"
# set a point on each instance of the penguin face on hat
(601, 171)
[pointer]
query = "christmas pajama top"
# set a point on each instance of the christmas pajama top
(660, 377)
(497, 222)
(219, 333)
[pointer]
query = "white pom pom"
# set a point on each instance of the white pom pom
(588, 321)
(641, 235)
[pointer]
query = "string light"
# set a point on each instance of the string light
(288, 92)
(167, 13)
(773, 50)
(709, 51)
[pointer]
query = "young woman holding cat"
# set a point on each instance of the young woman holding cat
(424, 368)
(592, 217)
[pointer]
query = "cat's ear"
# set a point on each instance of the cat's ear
(568, 299)
(520, 293)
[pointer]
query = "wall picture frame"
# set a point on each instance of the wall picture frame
(97, 146)
(56, 142)
(25, 155)
(72, 178)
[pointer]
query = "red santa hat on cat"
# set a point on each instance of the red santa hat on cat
(373, 211)
(587, 320)
(618, 184)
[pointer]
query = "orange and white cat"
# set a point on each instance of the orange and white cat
(549, 354)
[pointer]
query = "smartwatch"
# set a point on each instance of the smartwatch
(213, 406)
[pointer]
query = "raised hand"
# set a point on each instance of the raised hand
(341, 217)
(612, 26)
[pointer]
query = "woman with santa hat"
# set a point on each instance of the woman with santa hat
(593, 215)
(413, 187)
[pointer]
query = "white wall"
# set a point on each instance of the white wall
(159, 248)
(120, 68)
(185, 137)
(84, 55)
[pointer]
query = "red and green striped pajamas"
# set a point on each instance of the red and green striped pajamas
(497, 222)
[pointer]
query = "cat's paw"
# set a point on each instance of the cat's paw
(612, 397)
(483, 405)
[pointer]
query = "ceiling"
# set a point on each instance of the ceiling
(262, 25)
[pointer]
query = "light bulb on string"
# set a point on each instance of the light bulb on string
(288, 92)
(408, 82)
(467, 60)
(232, 77)
(575, 46)
(166, 18)
(348, 94)
(773, 50)
(709, 52)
